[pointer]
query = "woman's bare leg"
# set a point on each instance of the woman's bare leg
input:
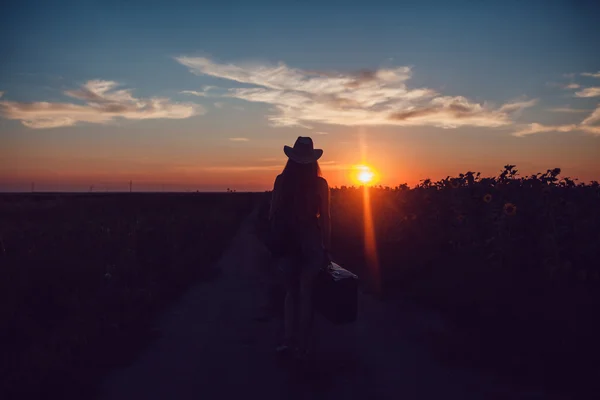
(313, 260)
(307, 282)
(291, 302)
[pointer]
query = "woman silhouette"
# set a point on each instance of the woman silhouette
(301, 231)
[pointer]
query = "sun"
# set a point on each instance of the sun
(363, 174)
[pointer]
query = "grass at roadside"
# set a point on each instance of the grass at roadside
(83, 276)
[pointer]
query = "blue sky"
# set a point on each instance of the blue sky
(485, 71)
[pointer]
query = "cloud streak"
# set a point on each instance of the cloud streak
(203, 93)
(378, 97)
(242, 168)
(593, 117)
(567, 110)
(591, 74)
(102, 103)
(587, 126)
(239, 139)
(325, 165)
(539, 128)
(593, 91)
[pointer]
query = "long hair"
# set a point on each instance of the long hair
(299, 188)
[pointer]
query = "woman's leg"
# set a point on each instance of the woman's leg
(288, 269)
(313, 262)
(291, 302)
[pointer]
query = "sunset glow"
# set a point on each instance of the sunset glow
(211, 106)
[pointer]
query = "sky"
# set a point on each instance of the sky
(189, 95)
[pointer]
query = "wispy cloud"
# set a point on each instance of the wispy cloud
(239, 139)
(518, 105)
(334, 166)
(567, 110)
(272, 159)
(572, 86)
(193, 93)
(531, 129)
(322, 133)
(325, 165)
(592, 74)
(584, 126)
(594, 130)
(593, 91)
(203, 93)
(102, 104)
(242, 168)
(539, 128)
(379, 97)
(219, 104)
(593, 117)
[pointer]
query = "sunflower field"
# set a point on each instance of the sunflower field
(511, 261)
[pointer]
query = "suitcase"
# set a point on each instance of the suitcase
(336, 294)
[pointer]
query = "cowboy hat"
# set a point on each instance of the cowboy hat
(303, 151)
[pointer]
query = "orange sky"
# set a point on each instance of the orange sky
(419, 91)
(54, 162)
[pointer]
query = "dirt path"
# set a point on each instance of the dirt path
(212, 346)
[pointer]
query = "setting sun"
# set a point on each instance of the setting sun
(363, 175)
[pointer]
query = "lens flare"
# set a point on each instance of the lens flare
(367, 176)
(370, 242)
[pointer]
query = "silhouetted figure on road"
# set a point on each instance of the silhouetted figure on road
(300, 236)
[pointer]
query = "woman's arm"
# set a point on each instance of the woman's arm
(325, 213)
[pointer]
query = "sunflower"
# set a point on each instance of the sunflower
(454, 183)
(510, 209)
(487, 198)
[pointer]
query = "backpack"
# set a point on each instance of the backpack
(282, 237)
(287, 224)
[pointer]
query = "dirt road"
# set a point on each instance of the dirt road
(211, 345)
